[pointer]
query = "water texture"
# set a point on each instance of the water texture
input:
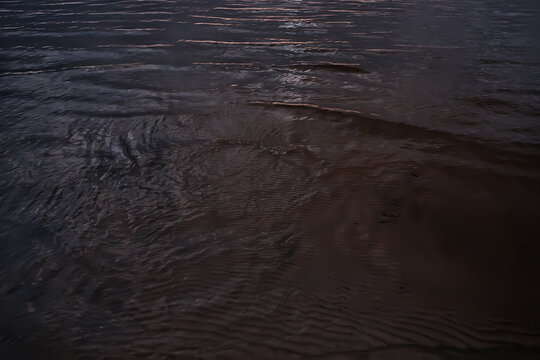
(270, 179)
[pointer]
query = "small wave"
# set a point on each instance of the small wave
(331, 66)
(498, 105)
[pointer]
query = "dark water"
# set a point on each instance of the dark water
(270, 179)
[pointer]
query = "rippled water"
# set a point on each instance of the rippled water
(270, 179)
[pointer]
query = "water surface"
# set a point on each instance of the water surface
(270, 179)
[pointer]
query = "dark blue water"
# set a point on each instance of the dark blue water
(270, 179)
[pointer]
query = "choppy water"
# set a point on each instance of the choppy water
(270, 179)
